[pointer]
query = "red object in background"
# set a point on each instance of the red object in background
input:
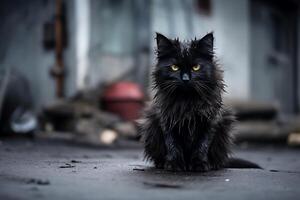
(125, 99)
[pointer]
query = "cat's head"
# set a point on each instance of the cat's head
(186, 66)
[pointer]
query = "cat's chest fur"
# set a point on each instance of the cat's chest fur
(185, 118)
(187, 128)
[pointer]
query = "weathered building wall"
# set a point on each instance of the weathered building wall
(111, 40)
(22, 48)
(231, 23)
(116, 36)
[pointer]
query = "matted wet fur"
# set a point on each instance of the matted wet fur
(186, 127)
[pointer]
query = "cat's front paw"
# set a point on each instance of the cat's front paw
(199, 163)
(175, 162)
(200, 166)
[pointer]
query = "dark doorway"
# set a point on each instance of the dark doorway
(273, 53)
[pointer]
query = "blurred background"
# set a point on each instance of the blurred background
(83, 67)
(75, 76)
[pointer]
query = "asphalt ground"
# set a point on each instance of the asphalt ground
(41, 169)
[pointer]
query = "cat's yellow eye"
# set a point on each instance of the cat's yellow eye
(196, 67)
(174, 68)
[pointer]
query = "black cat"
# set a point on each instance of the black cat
(186, 128)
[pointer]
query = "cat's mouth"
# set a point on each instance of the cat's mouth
(187, 87)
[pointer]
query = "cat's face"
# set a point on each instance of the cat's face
(185, 66)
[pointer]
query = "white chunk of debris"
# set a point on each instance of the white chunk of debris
(294, 139)
(227, 179)
(108, 136)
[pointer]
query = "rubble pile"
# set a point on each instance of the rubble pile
(86, 122)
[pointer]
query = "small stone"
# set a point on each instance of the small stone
(67, 165)
(42, 182)
(138, 169)
(76, 161)
(38, 181)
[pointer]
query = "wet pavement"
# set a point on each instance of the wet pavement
(53, 170)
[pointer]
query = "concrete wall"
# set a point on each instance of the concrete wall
(111, 40)
(232, 32)
(22, 48)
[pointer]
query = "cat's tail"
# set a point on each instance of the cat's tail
(241, 164)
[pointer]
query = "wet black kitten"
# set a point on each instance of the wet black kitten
(187, 127)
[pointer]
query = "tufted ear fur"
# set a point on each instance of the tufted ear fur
(205, 45)
(165, 46)
(162, 42)
(207, 41)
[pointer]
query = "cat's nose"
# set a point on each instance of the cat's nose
(185, 77)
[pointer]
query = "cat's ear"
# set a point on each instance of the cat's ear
(205, 46)
(163, 43)
(207, 42)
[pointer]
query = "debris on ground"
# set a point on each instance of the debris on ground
(88, 123)
(138, 169)
(294, 139)
(38, 181)
(67, 165)
(76, 161)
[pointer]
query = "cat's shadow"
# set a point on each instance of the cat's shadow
(147, 169)
(161, 178)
